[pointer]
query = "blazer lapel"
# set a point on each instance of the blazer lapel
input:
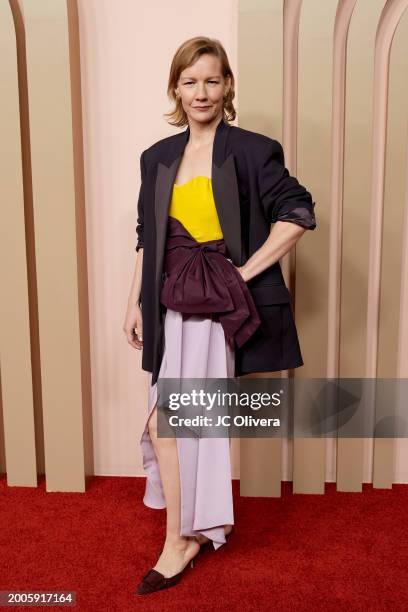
(225, 191)
(162, 197)
(226, 197)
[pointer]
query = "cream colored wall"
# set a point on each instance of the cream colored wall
(126, 52)
(115, 135)
(325, 101)
(117, 86)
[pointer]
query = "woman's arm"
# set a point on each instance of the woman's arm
(281, 239)
(133, 325)
(287, 205)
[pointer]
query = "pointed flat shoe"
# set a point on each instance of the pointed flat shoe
(156, 581)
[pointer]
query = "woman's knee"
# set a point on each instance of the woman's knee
(159, 443)
(152, 424)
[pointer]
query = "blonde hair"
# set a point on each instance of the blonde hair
(186, 55)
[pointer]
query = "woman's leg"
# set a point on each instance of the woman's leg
(177, 550)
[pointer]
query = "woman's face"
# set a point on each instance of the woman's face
(202, 87)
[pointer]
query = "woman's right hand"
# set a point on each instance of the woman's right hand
(133, 326)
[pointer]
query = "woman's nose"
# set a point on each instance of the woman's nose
(201, 93)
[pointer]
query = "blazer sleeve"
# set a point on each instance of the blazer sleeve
(140, 205)
(283, 197)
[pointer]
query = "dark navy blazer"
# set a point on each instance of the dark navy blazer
(252, 189)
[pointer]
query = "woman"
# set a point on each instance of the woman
(208, 298)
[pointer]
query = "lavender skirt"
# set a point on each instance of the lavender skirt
(194, 348)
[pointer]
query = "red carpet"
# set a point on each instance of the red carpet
(339, 551)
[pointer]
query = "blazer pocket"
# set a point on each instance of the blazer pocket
(271, 294)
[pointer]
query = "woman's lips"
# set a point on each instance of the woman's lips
(202, 108)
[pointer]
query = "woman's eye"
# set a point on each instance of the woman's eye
(191, 82)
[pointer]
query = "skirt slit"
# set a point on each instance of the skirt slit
(194, 348)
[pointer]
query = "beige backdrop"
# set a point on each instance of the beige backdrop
(83, 91)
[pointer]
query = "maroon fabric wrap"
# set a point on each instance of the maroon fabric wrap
(199, 279)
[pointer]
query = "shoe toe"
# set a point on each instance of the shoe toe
(143, 588)
(152, 581)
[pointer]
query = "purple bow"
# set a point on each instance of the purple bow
(201, 280)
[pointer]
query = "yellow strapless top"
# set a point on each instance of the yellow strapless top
(193, 204)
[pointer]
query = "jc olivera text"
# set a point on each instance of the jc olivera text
(223, 421)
